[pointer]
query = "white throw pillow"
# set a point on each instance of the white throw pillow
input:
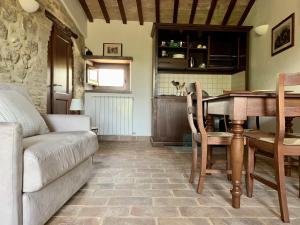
(14, 107)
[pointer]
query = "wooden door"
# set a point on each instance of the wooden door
(60, 76)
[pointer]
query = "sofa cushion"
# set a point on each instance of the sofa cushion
(16, 107)
(49, 156)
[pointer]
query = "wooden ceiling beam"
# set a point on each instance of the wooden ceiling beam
(122, 11)
(211, 11)
(175, 11)
(104, 11)
(246, 12)
(228, 12)
(140, 11)
(86, 10)
(157, 11)
(193, 11)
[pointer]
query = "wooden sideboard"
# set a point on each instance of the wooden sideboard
(169, 123)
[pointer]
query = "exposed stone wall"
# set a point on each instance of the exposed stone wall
(24, 48)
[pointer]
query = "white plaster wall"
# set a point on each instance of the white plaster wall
(263, 67)
(238, 81)
(77, 14)
(137, 42)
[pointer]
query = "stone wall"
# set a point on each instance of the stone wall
(24, 44)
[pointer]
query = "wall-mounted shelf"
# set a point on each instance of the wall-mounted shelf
(108, 59)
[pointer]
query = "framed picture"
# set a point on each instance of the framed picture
(112, 49)
(283, 35)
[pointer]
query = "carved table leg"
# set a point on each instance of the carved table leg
(237, 151)
(288, 129)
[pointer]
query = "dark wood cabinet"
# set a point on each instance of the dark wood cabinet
(212, 49)
(169, 124)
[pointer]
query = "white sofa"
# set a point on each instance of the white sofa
(38, 174)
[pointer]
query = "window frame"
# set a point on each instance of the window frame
(127, 78)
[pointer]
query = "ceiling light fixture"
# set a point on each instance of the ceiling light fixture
(29, 6)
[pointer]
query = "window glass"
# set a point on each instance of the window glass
(111, 77)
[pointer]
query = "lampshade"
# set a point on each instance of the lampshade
(76, 104)
(29, 6)
(261, 30)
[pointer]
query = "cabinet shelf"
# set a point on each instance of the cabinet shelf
(172, 48)
(199, 49)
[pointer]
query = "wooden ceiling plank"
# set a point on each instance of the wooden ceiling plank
(211, 11)
(175, 11)
(193, 11)
(104, 11)
(86, 10)
(157, 10)
(140, 11)
(246, 12)
(228, 12)
(122, 11)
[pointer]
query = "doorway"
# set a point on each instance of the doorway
(60, 72)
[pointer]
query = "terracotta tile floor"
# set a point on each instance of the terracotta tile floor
(136, 184)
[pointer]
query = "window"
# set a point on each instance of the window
(110, 77)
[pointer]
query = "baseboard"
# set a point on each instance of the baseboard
(124, 138)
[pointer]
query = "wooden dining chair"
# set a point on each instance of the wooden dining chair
(206, 139)
(279, 145)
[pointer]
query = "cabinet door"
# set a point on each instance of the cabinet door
(172, 124)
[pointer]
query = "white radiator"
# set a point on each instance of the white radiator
(111, 114)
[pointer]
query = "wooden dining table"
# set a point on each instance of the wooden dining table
(239, 106)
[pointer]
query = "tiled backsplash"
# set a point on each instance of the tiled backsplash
(213, 84)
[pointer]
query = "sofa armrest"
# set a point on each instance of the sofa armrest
(11, 165)
(60, 123)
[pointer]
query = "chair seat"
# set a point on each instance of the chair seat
(219, 134)
(270, 137)
(49, 156)
(294, 134)
(257, 134)
(287, 141)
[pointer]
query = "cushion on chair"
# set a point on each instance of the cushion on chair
(49, 156)
(15, 106)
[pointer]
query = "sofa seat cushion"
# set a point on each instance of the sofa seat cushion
(49, 156)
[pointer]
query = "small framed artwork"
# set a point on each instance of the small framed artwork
(112, 49)
(283, 35)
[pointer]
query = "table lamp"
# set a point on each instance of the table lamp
(76, 105)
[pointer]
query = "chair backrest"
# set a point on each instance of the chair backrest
(197, 112)
(191, 112)
(200, 114)
(283, 110)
